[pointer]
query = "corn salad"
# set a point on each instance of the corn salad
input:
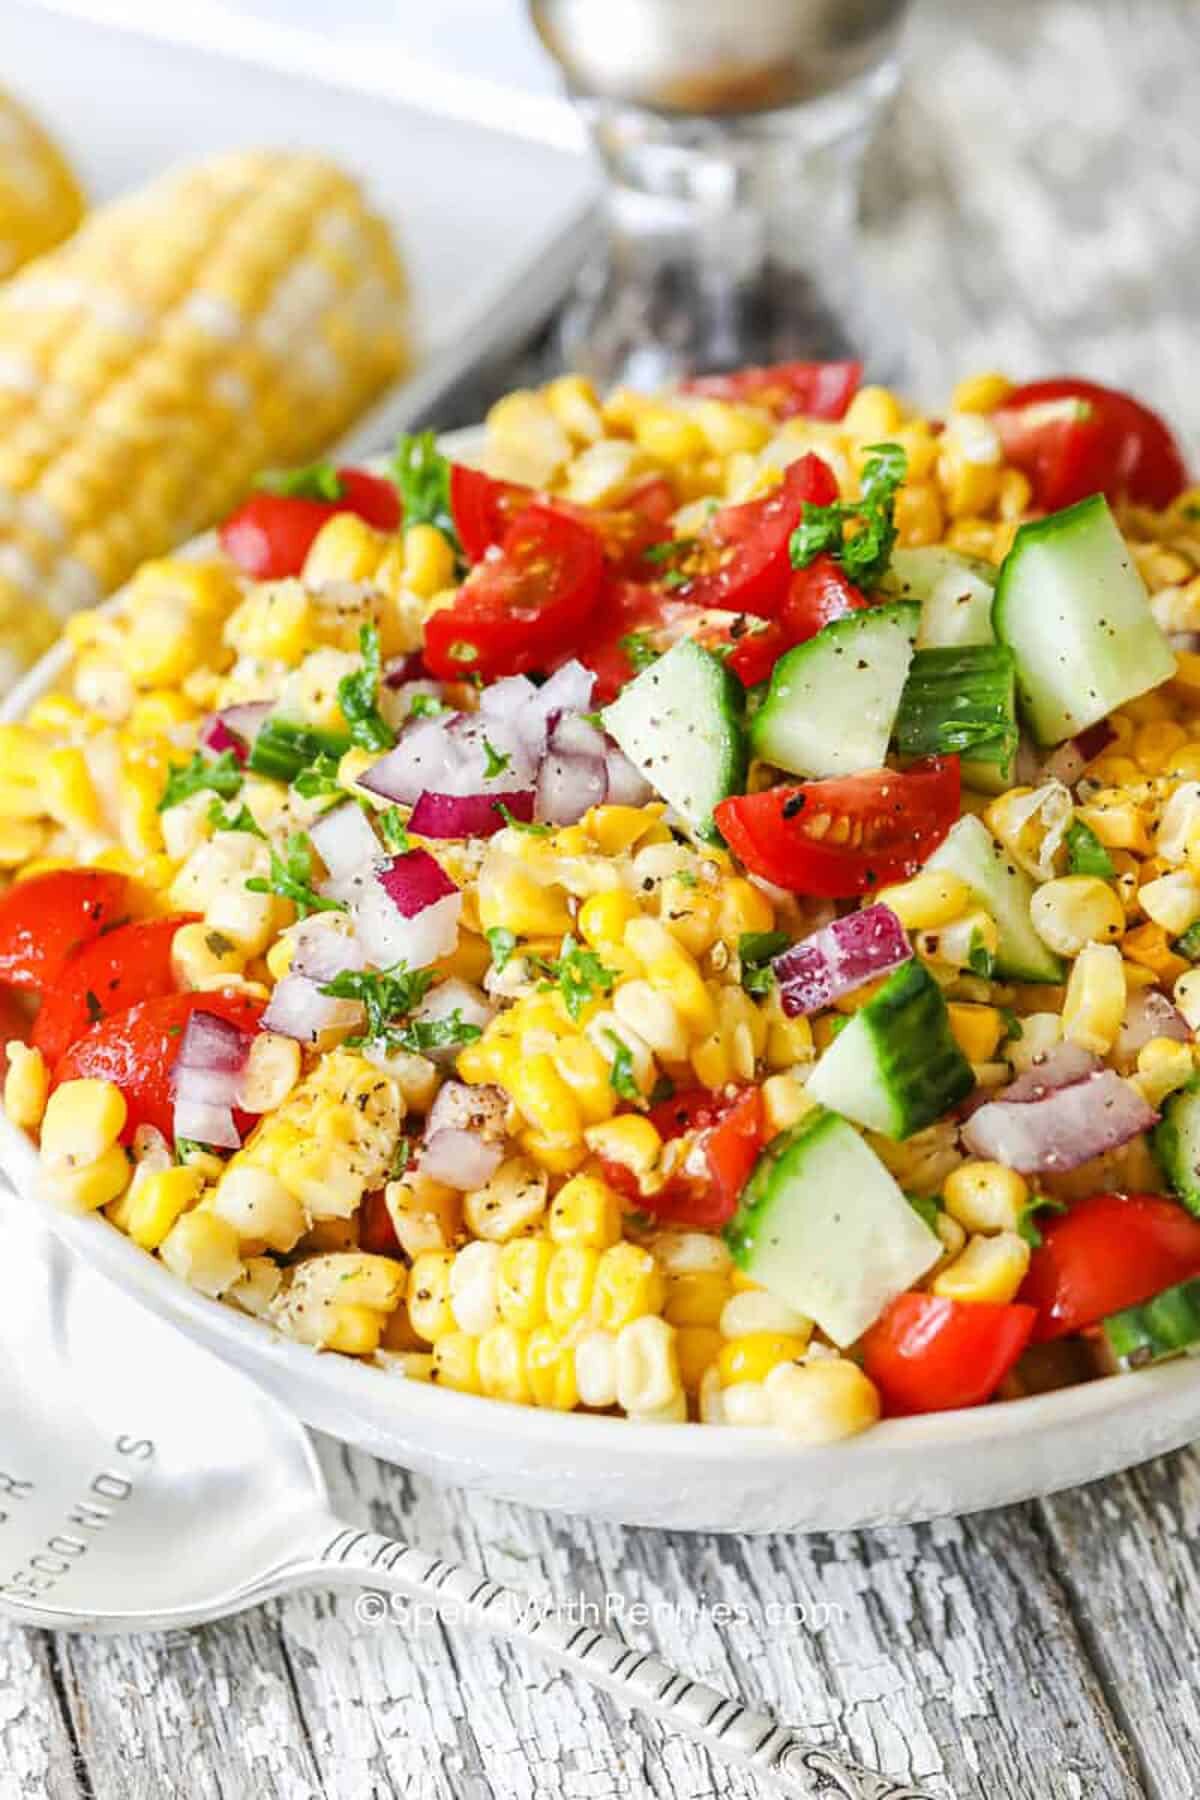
(549, 1155)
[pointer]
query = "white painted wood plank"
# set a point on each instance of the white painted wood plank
(36, 1752)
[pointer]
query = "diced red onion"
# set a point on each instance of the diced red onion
(345, 840)
(321, 952)
(399, 669)
(1148, 1014)
(446, 999)
(409, 912)
(1069, 760)
(840, 957)
(298, 1009)
(459, 1159)
(451, 754)
(1061, 1066)
(422, 758)
(204, 1123)
(627, 786)
(468, 815)
(507, 698)
(482, 1109)
(574, 775)
(1062, 1131)
(234, 728)
(210, 1042)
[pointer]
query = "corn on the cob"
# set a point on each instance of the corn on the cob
(233, 315)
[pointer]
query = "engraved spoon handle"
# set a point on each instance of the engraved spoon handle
(721, 1724)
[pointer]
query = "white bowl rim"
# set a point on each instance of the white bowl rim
(1101, 1403)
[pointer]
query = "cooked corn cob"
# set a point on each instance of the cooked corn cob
(40, 201)
(235, 314)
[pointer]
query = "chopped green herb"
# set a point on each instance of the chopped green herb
(496, 762)
(927, 1207)
(502, 943)
(319, 481)
(1013, 1028)
(291, 878)
(186, 1147)
(756, 951)
(1086, 855)
(522, 824)
(318, 780)
(358, 697)
(426, 706)
(386, 995)
(242, 820)
(669, 550)
(223, 775)
(865, 553)
(579, 976)
(393, 831)
(1026, 1224)
(402, 1158)
(422, 1035)
(676, 578)
(980, 959)
(1188, 943)
(640, 650)
(422, 475)
(620, 1075)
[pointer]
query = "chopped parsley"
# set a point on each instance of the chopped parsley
(318, 780)
(422, 474)
(522, 824)
(1086, 855)
(291, 878)
(393, 831)
(496, 763)
(221, 776)
(502, 944)
(426, 706)
(318, 481)
(1013, 1028)
(1027, 1225)
(620, 1075)
(283, 748)
(1188, 944)
(386, 996)
(242, 820)
(640, 650)
(358, 697)
(402, 1158)
(756, 951)
(980, 960)
(422, 1035)
(864, 553)
(579, 975)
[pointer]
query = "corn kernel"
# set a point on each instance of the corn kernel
(202, 957)
(751, 1358)
(158, 1201)
(1076, 910)
(550, 1370)
(26, 1085)
(503, 1364)
(873, 414)
(1172, 901)
(428, 560)
(202, 1250)
(429, 1309)
(1186, 994)
(821, 1402)
(981, 393)
(985, 1196)
(1163, 1066)
(521, 1282)
(587, 1212)
(989, 1269)
(456, 1363)
(647, 1365)
(977, 1029)
(1095, 999)
(697, 1348)
(668, 435)
(82, 1119)
(696, 1298)
(88, 1185)
(629, 1283)
(630, 1139)
(930, 899)
(1150, 946)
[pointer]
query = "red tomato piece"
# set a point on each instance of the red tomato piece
(376, 1233)
(1109, 1251)
(115, 970)
(896, 821)
(1074, 438)
(515, 610)
(930, 1355)
(270, 535)
(483, 508)
(740, 559)
(44, 920)
(137, 1049)
(729, 1131)
(818, 390)
(816, 596)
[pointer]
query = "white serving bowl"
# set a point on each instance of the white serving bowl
(683, 1477)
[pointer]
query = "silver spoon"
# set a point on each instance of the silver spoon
(144, 1484)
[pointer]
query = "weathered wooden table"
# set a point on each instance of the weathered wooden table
(1034, 202)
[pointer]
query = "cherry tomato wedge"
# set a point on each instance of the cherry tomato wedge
(816, 596)
(44, 920)
(483, 508)
(739, 561)
(1109, 1251)
(1074, 438)
(704, 1192)
(818, 390)
(516, 609)
(931, 1355)
(270, 535)
(895, 821)
(137, 1049)
(115, 970)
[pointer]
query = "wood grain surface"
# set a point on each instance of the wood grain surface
(1032, 203)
